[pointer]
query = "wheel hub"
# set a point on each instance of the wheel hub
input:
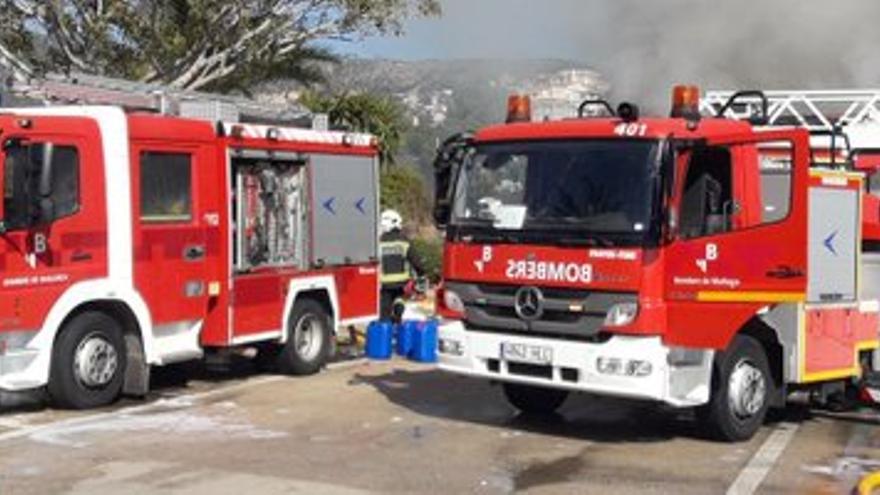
(307, 337)
(95, 361)
(747, 390)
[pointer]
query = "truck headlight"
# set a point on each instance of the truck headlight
(452, 301)
(638, 367)
(451, 347)
(622, 314)
(609, 365)
(623, 367)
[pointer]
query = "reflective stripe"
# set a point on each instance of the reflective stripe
(750, 296)
(395, 278)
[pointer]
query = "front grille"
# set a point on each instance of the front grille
(567, 313)
(532, 370)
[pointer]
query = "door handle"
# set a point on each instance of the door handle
(785, 271)
(79, 255)
(194, 252)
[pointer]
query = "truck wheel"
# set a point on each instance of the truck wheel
(308, 340)
(534, 400)
(741, 387)
(88, 362)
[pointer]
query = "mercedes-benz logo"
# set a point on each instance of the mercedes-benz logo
(529, 303)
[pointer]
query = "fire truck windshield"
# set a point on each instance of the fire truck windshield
(593, 189)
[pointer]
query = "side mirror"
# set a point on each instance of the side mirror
(45, 210)
(41, 165)
(27, 179)
(47, 151)
(699, 204)
(16, 209)
(442, 213)
(3, 228)
(450, 155)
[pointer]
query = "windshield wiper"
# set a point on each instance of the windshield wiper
(473, 222)
(494, 236)
(591, 241)
(483, 230)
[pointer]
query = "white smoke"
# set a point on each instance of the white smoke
(754, 44)
(643, 47)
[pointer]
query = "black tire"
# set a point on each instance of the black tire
(267, 356)
(76, 385)
(534, 400)
(299, 360)
(724, 420)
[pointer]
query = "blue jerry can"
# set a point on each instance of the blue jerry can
(379, 336)
(405, 335)
(425, 342)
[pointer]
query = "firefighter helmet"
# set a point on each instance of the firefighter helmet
(391, 220)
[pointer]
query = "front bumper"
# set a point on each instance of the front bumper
(18, 360)
(678, 377)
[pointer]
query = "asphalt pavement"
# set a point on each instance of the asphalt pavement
(399, 427)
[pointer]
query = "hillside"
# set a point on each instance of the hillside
(447, 96)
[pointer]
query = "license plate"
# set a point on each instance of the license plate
(525, 353)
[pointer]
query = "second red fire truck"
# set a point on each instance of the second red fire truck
(697, 262)
(131, 239)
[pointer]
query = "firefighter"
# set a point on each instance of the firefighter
(399, 265)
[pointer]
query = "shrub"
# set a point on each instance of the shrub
(403, 189)
(429, 253)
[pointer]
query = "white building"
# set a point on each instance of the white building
(557, 96)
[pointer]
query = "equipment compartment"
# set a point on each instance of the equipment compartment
(269, 210)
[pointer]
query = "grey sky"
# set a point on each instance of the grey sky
(489, 29)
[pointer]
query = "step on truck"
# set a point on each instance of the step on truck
(695, 261)
(130, 240)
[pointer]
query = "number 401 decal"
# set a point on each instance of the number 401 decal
(631, 129)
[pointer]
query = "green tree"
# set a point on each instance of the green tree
(189, 44)
(381, 116)
(404, 190)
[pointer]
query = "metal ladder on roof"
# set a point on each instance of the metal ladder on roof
(818, 110)
(86, 89)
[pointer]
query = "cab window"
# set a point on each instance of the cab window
(710, 201)
(28, 169)
(707, 197)
(166, 186)
(65, 180)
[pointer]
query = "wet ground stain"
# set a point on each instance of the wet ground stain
(552, 472)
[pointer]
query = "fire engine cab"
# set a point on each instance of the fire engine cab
(132, 239)
(701, 262)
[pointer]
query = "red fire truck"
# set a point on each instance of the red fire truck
(699, 262)
(131, 239)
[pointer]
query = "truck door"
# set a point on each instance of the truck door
(740, 243)
(174, 251)
(54, 227)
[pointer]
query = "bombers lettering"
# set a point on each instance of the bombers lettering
(549, 271)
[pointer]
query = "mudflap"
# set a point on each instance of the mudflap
(869, 392)
(137, 373)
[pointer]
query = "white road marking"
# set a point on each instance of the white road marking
(762, 462)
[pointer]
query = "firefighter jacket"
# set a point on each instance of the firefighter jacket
(396, 258)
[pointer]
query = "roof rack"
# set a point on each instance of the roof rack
(54, 89)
